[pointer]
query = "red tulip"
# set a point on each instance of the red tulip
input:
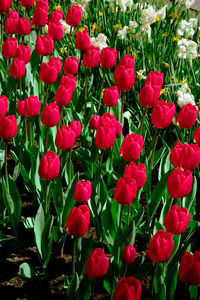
(179, 183)
(44, 45)
(124, 74)
(55, 30)
(23, 26)
(83, 191)
(155, 78)
(111, 96)
(71, 65)
(24, 53)
(8, 127)
(91, 57)
(105, 136)
(5, 6)
(176, 154)
(108, 58)
(187, 116)
(162, 114)
(10, 25)
(149, 96)
(49, 166)
(56, 16)
(76, 127)
(177, 219)
(74, 15)
(29, 107)
(48, 74)
(137, 172)
(27, 3)
(97, 264)
(40, 17)
(128, 255)
(189, 271)
(50, 115)
(17, 68)
(63, 95)
(131, 147)
(82, 41)
(78, 221)
(9, 47)
(55, 62)
(68, 81)
(125, 191)
(190, 157)
(3, 106)
(65, 138)
(118, 128)
(196, 136)
(128, 289)
(160, 247)
(94, 122)
(22, 108)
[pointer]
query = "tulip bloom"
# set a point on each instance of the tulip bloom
(125, 191)
(189, 271)
(196, 137)
(97, 264)
(56, 16)
(128, 255)
(5, 6)
(48, 74)
(49, 166)
(44, 45)
(68, 81)
(17, 68)
(131, 147)
(8, 127)
(111, 96)
(83, 191)
(105, 136)
(76, 127)
(177, 219)
(74, 15)
(23, 26)
(55, 62)
(179, 183)
(3, 106)
(137, 172)
(9, 47)
(71, 65)
(160, 247)
(10, 25)
(155, 78)
(27, 3)
(187, 116)
(82, 41)
(128, 289)
(29, 107)
(124, 74)
(108, 58)
(24, 53)
(50, 115)
(91, 57)
(55, 30)
(162, 114)
(65, 138)
(40, 17)
(176, 154)
(94, 122)
(78, 221)
(63, 95)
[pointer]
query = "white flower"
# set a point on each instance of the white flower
(66, 27)
(187, 49)
(185, 96)
(148, 15)
(46, 29)
(162, 13)
(194, 22)
(186, 29)
(132, 27)
(124, 4)
(187, 3)
(99, 41)
(122, 33)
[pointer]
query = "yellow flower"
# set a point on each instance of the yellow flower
(93, 28)
(150, 41)
(117, 27)
(57, 7)
(157, 18)
(174, 79)
(164, 34)
(176, 38)
(135, 53)
(113, 9)
(63, 50)
(100, 13)
(163, 92)
(140, 75)
(167, 66)
(184, 80)
(174, 15)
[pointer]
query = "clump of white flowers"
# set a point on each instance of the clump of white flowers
(187, 3)
(100, 41)
(66, 27)
(185, 96)
(82, 3)
(123, 4)
(187, 29)
(187, 49)
(148, 15)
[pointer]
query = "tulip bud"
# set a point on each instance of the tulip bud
(44, 45)
(5, 6)
(176, 154)
(149, 96)
(94, 122)
(162, 114)
(137, 172)
(190, 157)
(118, 128)
(40, 17)
(17, 68)
(179, 183)
(27, 3)
(55, 62)
(76, 127)
(110, 96)
(3, 106)
(24, 53)
(82, 41)
(105, 136)
(55, 30)
(65, 138)
(108, 58)
(56, 16)
(22, 108)
(83, 191)
(196, 137)
(74, 15)
(33, 106)
(49, 166)
(128, 255)
(177, 219)
(48, 74)
(189, 271)
(125, 191)
(10, 25)
(131, 147)
(128, 289)
(63, 95)
(23, 26)
(124, 74)
(9, 47)
(91, 57)
(155, 78)
(68, 81)
(50, 115)
(187, 116)
(97, 264)
(71, 65)
(8, 127)
(78, 221)
(160, 247)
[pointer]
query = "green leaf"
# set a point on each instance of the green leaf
(73, 287)
(38, 229)
(27, 271)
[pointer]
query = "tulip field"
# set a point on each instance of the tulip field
(99, 149)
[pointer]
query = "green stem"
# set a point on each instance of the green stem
(121, 215)
(46, 139)
(6, 161)
(93, 288)
(46, 195)
(46, 97)
(154, 147)
(74, 256)
(70, 158)
(102, 84)
(86, 84)
(125, 271)
(31, 136)
(26, 129)
(61, 117)
(122, 108)
(70, 35)
(1, 29)
(101, 159)
(129, 211)
(143, 119)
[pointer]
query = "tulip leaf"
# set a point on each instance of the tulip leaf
(27, 271)
(171, 281)
(73, 287)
